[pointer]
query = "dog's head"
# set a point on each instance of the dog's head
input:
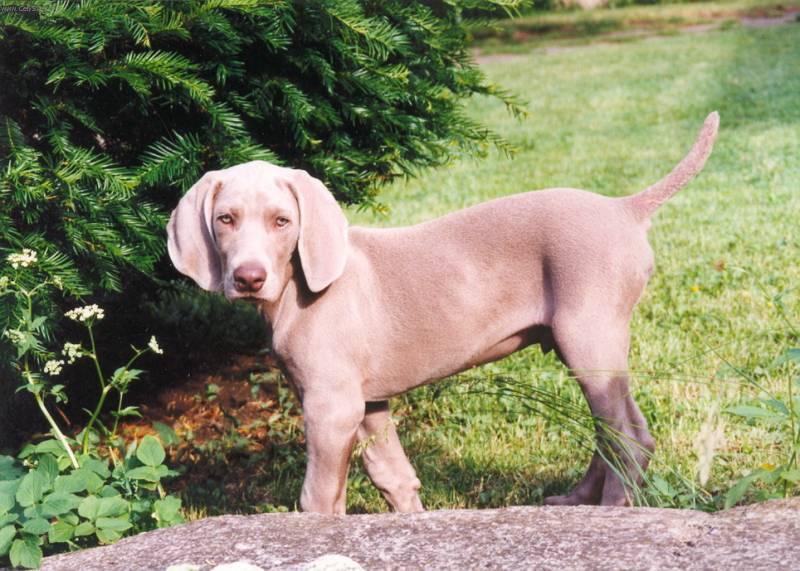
(237, 229)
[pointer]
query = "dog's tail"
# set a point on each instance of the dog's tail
(646, 202)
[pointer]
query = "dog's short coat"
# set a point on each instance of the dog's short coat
(360, 315)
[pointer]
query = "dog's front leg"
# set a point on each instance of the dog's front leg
(332, 417)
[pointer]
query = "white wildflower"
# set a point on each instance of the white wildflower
(710, 437)
(153, 344)
(86, 312)
(14, 335)
(72, 351)
(23, 260)
(53, 368)
(3, 283)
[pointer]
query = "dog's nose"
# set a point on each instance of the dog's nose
(249, 278)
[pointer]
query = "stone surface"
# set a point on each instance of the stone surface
(764, 536)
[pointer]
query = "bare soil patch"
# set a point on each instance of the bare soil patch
(565, 37)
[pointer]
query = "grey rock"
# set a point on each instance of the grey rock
(763, 536)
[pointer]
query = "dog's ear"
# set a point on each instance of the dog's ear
(190, 235)
(323, 231)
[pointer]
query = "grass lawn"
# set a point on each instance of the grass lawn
(724, 302)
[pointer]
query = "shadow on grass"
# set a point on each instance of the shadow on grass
(236, 474)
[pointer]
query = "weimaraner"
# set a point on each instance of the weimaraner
(360, 315)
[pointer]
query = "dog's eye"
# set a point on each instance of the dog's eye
(225, 218)
(281, 221)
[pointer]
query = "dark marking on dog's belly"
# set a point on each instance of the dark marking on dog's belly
(541, 334)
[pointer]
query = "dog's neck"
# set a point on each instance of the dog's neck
(295, 295)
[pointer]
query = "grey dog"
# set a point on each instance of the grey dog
(360, 315)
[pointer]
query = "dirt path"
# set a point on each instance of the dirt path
(790, 15)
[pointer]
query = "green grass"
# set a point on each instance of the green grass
(613, 119)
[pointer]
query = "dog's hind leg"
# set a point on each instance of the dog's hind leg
(385, 461)
(596, 351)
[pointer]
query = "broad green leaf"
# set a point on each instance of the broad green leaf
(64, 463)
(150, 451)
(142, 506)
(59, 503)
(749, 411)
(107, 535)
(168, 511)
(791, 475)
(48, 467)
(60, 532)
(89, 507)
(32, 512)
(36, 526)
(108, 492)
(7, 519)
(25, 553)
(7, 535)
(69, 484)
(111, 507)
(148, 473)
(78, 481)
(93, 507)
(737, 491)
(26, 451)
(31, 488)
(9, 469)
(94, 483)
(71, 518)
(114, 523)
(97, 466)
(662, 486)
(85, 528)
(8, 492)
(778, 405)
(51, 446)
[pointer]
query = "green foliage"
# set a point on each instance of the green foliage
(51, 497)
(780, 413)
(143, 94)
(47, 504)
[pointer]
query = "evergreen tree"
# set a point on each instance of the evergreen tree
(111, 109)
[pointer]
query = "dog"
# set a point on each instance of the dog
(359, 315)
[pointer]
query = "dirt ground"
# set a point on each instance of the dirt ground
(754, 18)
(225, 414)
